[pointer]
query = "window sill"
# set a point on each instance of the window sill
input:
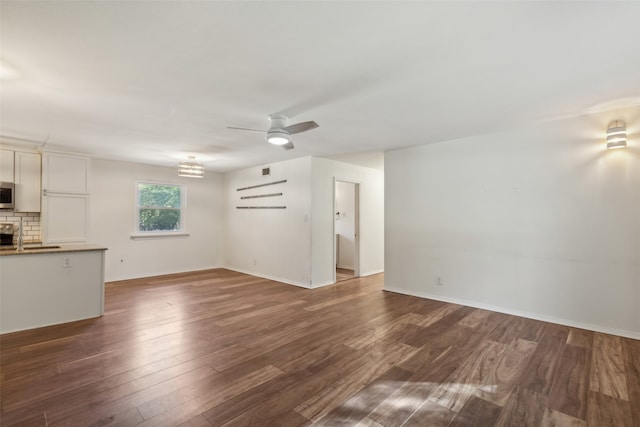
(158, 235)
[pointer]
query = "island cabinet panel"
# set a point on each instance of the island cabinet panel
(42, 289)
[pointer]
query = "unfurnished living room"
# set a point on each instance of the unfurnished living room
(331, 213)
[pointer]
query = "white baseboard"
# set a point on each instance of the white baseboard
(161, 273)
(371, 273)
(321, 284)
(534, 316)
(265, 276)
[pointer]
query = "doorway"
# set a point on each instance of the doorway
(346, 230)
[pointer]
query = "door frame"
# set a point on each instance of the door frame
(356, 226)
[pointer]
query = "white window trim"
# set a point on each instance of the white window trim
(158, 235)
(140, 235)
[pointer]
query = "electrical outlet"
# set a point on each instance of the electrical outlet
(66, 262)
(255, 261)
(438, 281)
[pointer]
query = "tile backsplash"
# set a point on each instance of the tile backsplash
(30, 222)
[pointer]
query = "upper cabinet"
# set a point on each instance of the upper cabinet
(65, 173)
(6, 165)
(24, 169)
(27, 179)
(65, 197)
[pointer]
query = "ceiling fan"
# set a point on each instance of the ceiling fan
(279, 133)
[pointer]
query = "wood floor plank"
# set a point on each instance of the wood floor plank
(540, 371)
(197, 421)
(553, 418)
(31, 420)
(457, 336)
(279, 396)
(130, 383)
(468, 378)
(368, 422)
(580, 338)
(524, 408)
(235, 407)
(607, 411)
(404, 402)
(216, 389)
(570, 390)
(476, 412)
(317, 406)
(429, 414)
(474, 320)
(608, 367)
(375, 332)
(437, 314)
(126, 418)
(358, 407)
(116, 404)
(501, 377)
(218, 347)
(631, 350)
(517, 328)
(177, 407)
(291, 419)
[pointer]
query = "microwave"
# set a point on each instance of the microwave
(7, 195)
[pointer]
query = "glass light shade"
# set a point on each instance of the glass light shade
(191, 169)
(617, 134)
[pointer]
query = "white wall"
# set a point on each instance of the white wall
(113, 216)
(371, 217)
(271, 243)
(542, 222)
(295, 245)
(345, 224)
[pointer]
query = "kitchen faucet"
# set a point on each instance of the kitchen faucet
(20, 237)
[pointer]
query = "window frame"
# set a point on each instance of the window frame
(141, 234)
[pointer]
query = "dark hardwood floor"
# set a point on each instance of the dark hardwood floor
(223, 348)
(344, 274)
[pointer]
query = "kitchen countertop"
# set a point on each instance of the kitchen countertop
(32, 249)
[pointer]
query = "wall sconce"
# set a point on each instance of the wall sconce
(616, 134)
(191, 169)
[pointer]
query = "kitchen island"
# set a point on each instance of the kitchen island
(48, 285)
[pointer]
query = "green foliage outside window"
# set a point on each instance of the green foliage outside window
(159, 207)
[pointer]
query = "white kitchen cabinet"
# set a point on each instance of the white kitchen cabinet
(28, 180)
(65, 197)
(65, 173)
(6, 165)
(65, 218)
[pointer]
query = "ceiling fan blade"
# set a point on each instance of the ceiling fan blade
(252, 130)
(301, 127)
(288, 146)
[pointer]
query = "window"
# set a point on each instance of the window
(160, 208)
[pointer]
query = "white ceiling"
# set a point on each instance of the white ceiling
(155, 81)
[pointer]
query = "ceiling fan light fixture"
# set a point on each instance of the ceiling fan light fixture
(278, 137)
(191, 169)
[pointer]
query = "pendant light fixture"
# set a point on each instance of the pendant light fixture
(616, 134)
(191, 169)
